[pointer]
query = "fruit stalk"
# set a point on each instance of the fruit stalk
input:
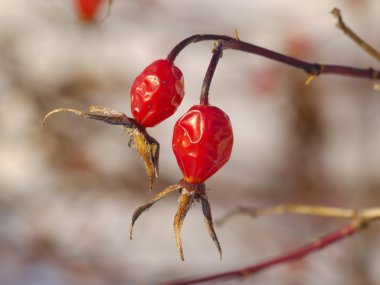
(217, 54)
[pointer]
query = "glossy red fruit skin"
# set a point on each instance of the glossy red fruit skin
(87, 9)
(156, 93)
(202, 142)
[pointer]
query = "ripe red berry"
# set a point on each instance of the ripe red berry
(87, 9)
(202, 142)
(156, 93)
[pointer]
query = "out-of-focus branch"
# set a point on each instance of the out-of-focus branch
(358, 220)
(323, 211)
(329, 239)
(353, 36)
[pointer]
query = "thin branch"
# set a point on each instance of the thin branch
(194, 39)
(331, 212)
(322, 211)
(359, 220)
(310, 68)
(297, 254)
(353, 36)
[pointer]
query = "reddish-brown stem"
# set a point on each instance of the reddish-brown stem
(194, 39)
(309, 68)
(290, 256)
(217, 54)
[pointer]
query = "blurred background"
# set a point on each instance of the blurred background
(68, 190)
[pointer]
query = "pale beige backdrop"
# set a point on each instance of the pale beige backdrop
(68, 190)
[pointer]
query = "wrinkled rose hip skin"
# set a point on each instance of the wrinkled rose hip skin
(87, 9)
(202, 143)
(156, 93)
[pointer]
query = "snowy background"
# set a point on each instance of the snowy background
(68, 190)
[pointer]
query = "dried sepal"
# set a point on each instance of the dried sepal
(103, 114)
(147, 147)
(190, 192)
(209, 223)
(76, 112)
(141, 209)
(185, 202)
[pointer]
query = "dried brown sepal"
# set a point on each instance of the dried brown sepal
(103, 114)
(147, 147)
(141, 209)
(76, 112)
(185, 201)
(190, 192)
(209, 223)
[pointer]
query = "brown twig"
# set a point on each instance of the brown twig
(353, 36)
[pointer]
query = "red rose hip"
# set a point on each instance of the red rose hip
(202, 142)
(156, 93)
(87, 9)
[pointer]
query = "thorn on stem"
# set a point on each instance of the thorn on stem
(310, 78)
(236, 33)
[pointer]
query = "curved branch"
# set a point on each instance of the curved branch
(301, 252)
(359, 220)
(309, 68)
